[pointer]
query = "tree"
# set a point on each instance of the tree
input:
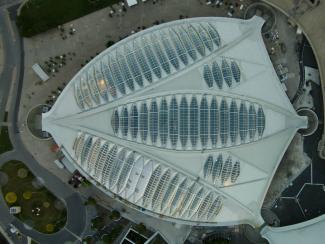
(141, 228)
(115, 215)
(11, 197)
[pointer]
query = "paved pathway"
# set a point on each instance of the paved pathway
(75, 209)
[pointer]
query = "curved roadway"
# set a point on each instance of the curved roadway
(13, 74)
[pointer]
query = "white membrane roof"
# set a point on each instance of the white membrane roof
(186, 120)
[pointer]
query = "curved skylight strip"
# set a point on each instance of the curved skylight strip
(143, 121)
(85, 92)
(180, 49)
(217, 74)
(106, 75)
(243, 122)
(190, 49)
(198, 43)
(163, 121)
(142, 62)
(215, 208)
(125, 171)
(160, 54)
(116, 168)
(194, 121)
(151, 186)
(133, 65)
(235, 71)
(93, 156)
(214, 35)
(117, 76)
(226, 171)
(93, 86)
(204, 34)
(207, 75)
(108, 165)
(204, 121)
(100, 82)
(153, 122)
(233, 119)
(115, 121)
(126, 74)
(183, 121)
(171, 54)
(207, 169)
(173, 121)
(226, 72)
(134, 118)
(124, 121)
(85, 151)
(235, 172)
(160, 190)
(224, 122)
(166, 200)
(217, 168)
(152, 60)
(214, 122)
(260, 121)
(102, 156)
(252, 121)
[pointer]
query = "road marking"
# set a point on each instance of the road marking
(76, 236)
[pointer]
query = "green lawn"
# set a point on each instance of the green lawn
(41, 15)
(5, 144)
(49, 214)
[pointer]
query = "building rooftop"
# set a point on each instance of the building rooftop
(186, 120)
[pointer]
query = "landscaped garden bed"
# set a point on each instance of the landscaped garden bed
(40, 209)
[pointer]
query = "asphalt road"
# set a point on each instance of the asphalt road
(76, 219)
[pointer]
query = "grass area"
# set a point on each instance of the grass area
(41, 15)
(5, 144)
(31, 198)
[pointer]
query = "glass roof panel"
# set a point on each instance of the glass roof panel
(198, 43)
(224, 122)
(171, 54)
(134, 122)
(187, 43)
(151, 186)
(226, 72)
(115, 120)
(252, 121)
(235, 71)
(207, 75)
(243, 122)
(217, 74)
(133, 65)
(173, 121)
(93, 86)
(85, 150)
(128, 165)
(226, 171)
(194, 124)
(183, 124)
(116, 168)
(233, 122)
(142, 62)
(124, 121)
(160, 54)
(108, 165)
(160, 190)
(204, 121)
(204, 34)
(143, 121)
(106, 75)
(207, 169)
(217, 168)
(260, 121)
(214, 122)
(163, 122)
(126, 74)
(214, 35)
(117, 76)
(235, 172)
(152, 60)
(153, 122)
(166, 201)
(180, 49)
